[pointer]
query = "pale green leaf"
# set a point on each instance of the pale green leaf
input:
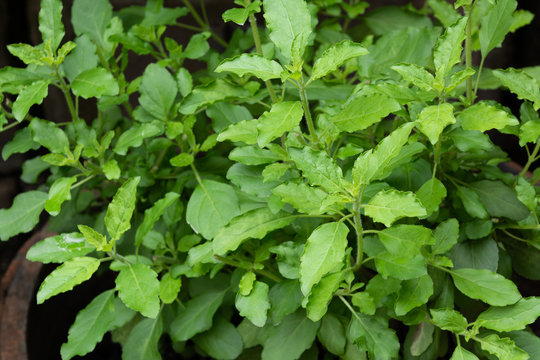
(511, 317)
(94, 238)
(449, 319)
(372, 334)
(23, 214)
(496, 24)
(59, 248)
(111, 170)
(413, 293)
(30, 95)
(255, 305)
(321, 295)
(92, 17)
(318, 168)
(245, 131)
(59, 192)
(391, 205)
(306, 199)
(503, 348)
(364, 111)
(120, 210)
(448, 50)
(335, 56)
(246, 283)
(66, 276)
(252, 64)
(197, 46)
(184, 81)
(134, 136)
(95, 82)
(529, 132)
(281, 118)
(521, 84)
(399, 266)
(415, 75)
(83, 58)
(90, 325)
(444, 12)
(458, 78)
(27, 53)
(462, 354)
(158, 91)
(253, 155)
(287, 20)
(50, 22)
(290, 338)
(376, 164)
(446, 236)
(222, 341)
(254, 224)
(152, 215)
(143, 341)
(138, 287)
(49, 135)
(433, 119)
(521, 18)
(431, 194)
(405, 239)
(364, 302)
(211, 206)
(169, 287)
(209, 94)
(487, 286)
(324, 253)
(197, 315)
(482, 117)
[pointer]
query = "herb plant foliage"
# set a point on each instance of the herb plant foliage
(322, 186)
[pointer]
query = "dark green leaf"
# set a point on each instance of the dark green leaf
(496, 24)
(255, 305)
(152, 215)
(500, 200)
(222, 341)
(285, 298)
(332, 334)
(413, 293)
(143, 340)
(158, 91)
(321, 295)
(371, 334)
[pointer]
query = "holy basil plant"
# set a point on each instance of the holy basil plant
(322, 187)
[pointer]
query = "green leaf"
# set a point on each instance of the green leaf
(526, 193)
(529, 132)
(324, 253)
(290, 338)
(59, 192)
(254, 224)
(90, 325)
(459, 77)
(138, 287)
(196, 316)
(521, 84)
(66, 276)
(287, 21)
(448, 319)
(30, 95)
(95, 238)
(283, 117)
(21, 143)
(376, 164)
(197, 46)
(364, 302)
(285, 298)
(371, 334)
(158, 91)
(446, 236)
(470, 140)
(143, 340)
(527, 341)
(255, 305)
(335, 56)
(391, 205)
(222, 341)
(399, 266)
(405, 239)
(95, 82)
(512, 317)
(463, 354)
(246, 283)
(152, 215)
(433, 119)
(111, 170)
(415, 75)
(50, 22)
(364, 111)
(431, 194)
(184, 81)
(253, 155)
(120, 210)
(332, 334)
(471, 202)
(245, 131)
(448, 50)
(503, 348)
(496, 24)
(92, 17)
(444, 12)
(483, 117)
(321, 295)
(306, 199)
(477, 254)
(211, 206)
(500, 199)
(252, 64)
(59, 248)
(169, 287)
(413, 293)
(49, 135)
(23, 214)
(27, 53)
(209, 94)
(521, 18)
(83, 58)
(487, 286)
(318, 168)
(134, 136)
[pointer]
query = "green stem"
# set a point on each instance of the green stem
(197, 176)
(305, 105)
(65, 90)
(258, 46)
(468, 56)
(531, 159)
(12, 125)
(204, 25)
(359, 235)
(478, 76)
(189, 27)
(159, 160)
(76, 185)
(349, 307)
